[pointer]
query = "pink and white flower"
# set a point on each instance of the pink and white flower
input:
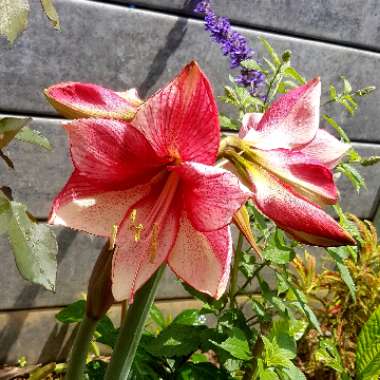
(153, 178)
(289, 166)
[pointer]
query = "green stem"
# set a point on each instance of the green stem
(131, 330)
(235, 269)
(80, 349)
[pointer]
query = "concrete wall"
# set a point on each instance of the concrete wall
(143, 46)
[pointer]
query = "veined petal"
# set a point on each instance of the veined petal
(181, 120)
(82, 206)
(76, 100)
(304, 219)
(250, 121)
(306, 174)
(326, 148)
(112, 153)
(211, 195)
(142, 246)
(202, 259)
(291, 121)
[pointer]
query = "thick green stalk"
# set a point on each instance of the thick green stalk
(235, 270)
(80, 349)
(131, 330)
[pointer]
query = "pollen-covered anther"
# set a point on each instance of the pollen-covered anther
(153, 246)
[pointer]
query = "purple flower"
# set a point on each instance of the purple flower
(233, 44)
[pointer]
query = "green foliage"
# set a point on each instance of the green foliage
(34, 245)
(34, 137)
(14, 17)
(72, 313)
(368, 348)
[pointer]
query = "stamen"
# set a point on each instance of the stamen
(153, 243)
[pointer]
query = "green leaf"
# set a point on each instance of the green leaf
(275, 58)
(106, 332)
(336, 126)
(336, 254)
(352, 174)
(277, 251)
(369, 161)
(268, 374)
(72, 313)
(347, 88)
(293, 73)
(227, 123)
(13, 18)
(236, 344)
(279, 333)
(34, 247)
(368, 348)
(10, 127)
(333, 93)
(32, 136)
(157, 316)
(190, 317)
(329, 355)
(96, 369)
(199, 358)
(294, 373)
(201, 371)
(251, 64)
(5, 213)
(276, 356)
(51, 13)
(175, 340)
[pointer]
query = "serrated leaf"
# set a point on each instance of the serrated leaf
(368, 348)
(10, 127)
(335, 253)
(352, 174)
(294, 373)
(34, 247)
(329, 355)
(51, 13)
(32, 136)
(277, 251)
(236, 344)
(13, 18)
(274, 56)
(268, 374)
(228, 124)
(276, 356)
(72, 313)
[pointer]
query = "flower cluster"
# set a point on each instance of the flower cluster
(233, 44)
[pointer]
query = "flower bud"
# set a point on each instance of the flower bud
(100, 297)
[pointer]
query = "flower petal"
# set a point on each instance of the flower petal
(326, 148)
(111, 153)
(80, 205)
(181, 120)
(75, 100)
(306, 174)
(291, 121)
(139, 256)
(211, 195)
(304, 219)
(202, 259)
(250, 121)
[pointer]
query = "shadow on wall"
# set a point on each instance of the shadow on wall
(173, 41)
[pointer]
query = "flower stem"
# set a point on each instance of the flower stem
(131, 330)
(235, 269)
(80, 349)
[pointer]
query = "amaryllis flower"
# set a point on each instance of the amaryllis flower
(289, 166)
(76, 100)
(152, 177)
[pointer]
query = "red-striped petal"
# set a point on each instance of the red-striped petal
(76, 100)
(202, 259)
(181, 120)
(291, 121)
(293, 213)
(111, 153)
(326, 149)
(211, 195)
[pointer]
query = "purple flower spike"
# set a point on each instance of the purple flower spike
(232, 44)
